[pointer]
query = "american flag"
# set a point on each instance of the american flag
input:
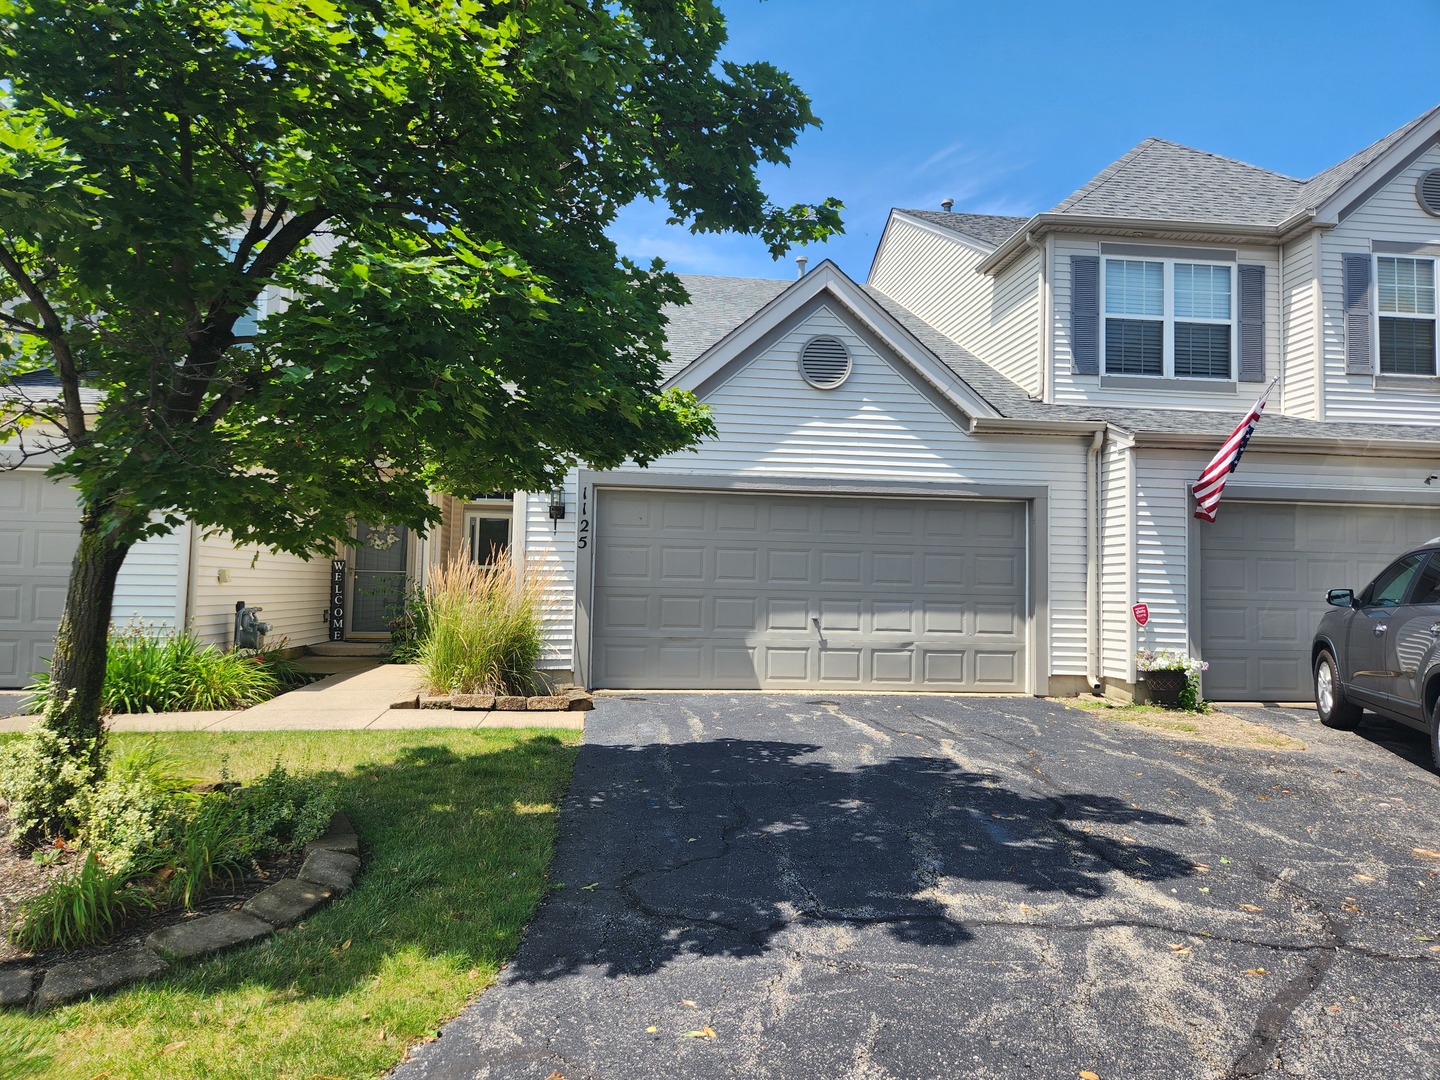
(1208, 488)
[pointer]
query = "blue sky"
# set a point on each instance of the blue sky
(1008, 107)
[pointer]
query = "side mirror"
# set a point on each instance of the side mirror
(1340, 598)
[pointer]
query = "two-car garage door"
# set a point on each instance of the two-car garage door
(708, 590)
(1264, 571)
(39, 531)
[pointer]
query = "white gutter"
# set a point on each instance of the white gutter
(1118, 227)
(1092, 561)
(187, 573)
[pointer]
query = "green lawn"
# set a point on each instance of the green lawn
(457, 828)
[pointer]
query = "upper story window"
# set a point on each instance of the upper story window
(1168, 318)
(1405, 303)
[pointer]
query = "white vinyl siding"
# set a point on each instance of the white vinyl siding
(550, 554)
(996, 319)
(1072, 389)
(150, 589)
(1300, 388)
(1116, 588)
(292, 592)
(876, 427)
(1391, 215)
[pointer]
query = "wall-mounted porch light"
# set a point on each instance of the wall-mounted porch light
(557, 508)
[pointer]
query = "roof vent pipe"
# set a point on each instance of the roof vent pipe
(947, 204)
(800, 261)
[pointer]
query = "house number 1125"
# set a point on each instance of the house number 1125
(582, 528)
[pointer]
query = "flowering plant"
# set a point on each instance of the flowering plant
(1176, 660)
(1170, 660)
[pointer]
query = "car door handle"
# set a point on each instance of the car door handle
(1381, 628)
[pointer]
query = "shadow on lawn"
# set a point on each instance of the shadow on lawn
(454, 847)
(713, 847)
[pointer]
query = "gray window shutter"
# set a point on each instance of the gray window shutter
(1252, 323)
(1357, 315)
(1085, 314)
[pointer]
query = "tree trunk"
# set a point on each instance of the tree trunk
(77, 668)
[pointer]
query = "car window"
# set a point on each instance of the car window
(1390, 587)
(1427, 586)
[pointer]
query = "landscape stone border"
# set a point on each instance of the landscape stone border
(571, 700)
(328, 871)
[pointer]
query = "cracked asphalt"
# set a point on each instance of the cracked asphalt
(781, 886)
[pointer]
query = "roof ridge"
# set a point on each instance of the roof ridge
(1228, 158)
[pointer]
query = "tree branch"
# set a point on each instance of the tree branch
(54, 333)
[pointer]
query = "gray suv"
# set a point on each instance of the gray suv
(1380, 650)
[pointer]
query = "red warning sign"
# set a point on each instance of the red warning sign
(1141, 613)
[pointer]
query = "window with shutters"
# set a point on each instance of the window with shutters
(1405, 308)
(1168, 318)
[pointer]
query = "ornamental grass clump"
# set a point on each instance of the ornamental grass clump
(485, 633)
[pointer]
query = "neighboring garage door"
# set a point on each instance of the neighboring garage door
(1264, 571)
(727, 591)
(39, 530)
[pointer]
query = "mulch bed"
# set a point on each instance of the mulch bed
(21, 877)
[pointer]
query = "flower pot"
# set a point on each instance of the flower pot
(1165, 686)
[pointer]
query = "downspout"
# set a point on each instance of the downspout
(1092, 561)
(187, 605)
(1042, 286)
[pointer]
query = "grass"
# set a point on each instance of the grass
(458, 828)
(1212, 726)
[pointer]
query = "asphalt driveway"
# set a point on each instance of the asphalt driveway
(783, 886)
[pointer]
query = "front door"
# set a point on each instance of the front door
(379, 575)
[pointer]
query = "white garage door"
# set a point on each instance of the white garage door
(39, 530)
(697, 590)
(1264, 571)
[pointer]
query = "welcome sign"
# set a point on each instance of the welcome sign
(336, 612)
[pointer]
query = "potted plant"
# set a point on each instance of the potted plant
(1172, 677)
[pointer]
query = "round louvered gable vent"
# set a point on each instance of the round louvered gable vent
(825, 362)
(1427, 192)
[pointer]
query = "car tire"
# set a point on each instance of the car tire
(1334, 709)
(1435, 736)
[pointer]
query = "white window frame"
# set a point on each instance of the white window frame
(1168, 318)
(1377, 314)
(489, 509)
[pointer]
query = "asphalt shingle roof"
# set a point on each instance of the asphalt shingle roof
(717, 306)
(992, 229)
(1165, 181)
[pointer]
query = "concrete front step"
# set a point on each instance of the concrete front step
(347, 648)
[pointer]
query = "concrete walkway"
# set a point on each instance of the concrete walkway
(358, 696)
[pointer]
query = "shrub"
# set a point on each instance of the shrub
(134, 806)
(45, 779)
(85, 907)
(409, 629)
(149, 671)
(209, 845)
(485, 628)
(281, 812)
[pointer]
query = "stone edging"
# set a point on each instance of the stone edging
(327, 872)
(565, 701)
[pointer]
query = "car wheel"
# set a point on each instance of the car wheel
(1334, 710)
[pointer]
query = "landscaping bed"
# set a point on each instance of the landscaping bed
(458, 828)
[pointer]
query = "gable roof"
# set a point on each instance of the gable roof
(997, 403)
(1178, 190)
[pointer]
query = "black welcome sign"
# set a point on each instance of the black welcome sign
(337, 599)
